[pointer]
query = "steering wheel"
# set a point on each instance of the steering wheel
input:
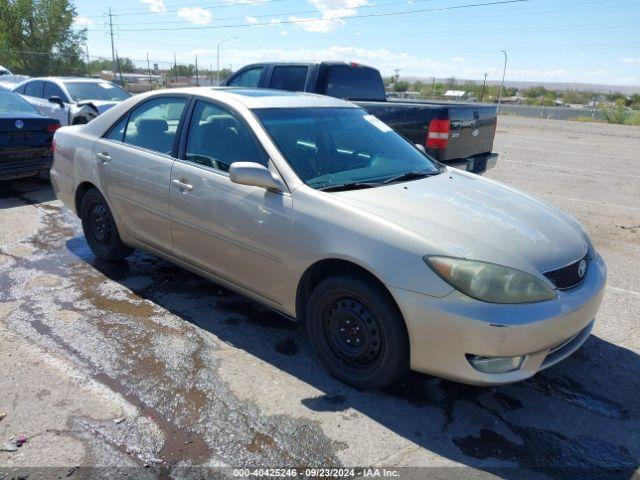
(360, 161)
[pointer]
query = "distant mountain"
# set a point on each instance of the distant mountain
(590, 87)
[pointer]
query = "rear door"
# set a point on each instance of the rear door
(33, 93)
(289, 77)
(135, 160)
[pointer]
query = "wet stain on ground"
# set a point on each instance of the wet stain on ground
(326, 403)
(288, 347)
(552, 453)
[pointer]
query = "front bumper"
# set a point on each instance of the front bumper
(443, 330)
(478, 164)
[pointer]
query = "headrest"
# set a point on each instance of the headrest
(151, 125)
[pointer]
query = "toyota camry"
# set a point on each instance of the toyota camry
(317, 209)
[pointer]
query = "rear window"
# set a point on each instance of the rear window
(13, 103)
(292, 78)
(353, 83)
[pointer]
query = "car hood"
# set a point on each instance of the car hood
(464, 215)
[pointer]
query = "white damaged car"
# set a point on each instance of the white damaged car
(73, 101)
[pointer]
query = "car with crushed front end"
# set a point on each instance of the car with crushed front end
(317, 209)
(72, 100)
(25, 138)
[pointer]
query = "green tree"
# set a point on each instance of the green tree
(401, 86)
(36, 37)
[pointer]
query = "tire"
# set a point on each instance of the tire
(100, 228)
(357, 331)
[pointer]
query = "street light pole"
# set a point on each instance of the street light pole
(502, 84)
(218, 57)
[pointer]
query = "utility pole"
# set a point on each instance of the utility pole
(149, 70)
(397, 70)
(175, 67)
(502, 84)
(119, 71)
(197, 79)
(113, 49)
(484, 84)
(86, 51)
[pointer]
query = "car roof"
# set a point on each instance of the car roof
(255, 98)
(68, 79)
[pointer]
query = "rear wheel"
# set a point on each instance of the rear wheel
(358, 332)
(100, 228)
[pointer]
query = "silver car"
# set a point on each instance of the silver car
(320, 211)
(72, 100)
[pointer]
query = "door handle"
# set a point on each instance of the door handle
(103, 157)
(182, 185)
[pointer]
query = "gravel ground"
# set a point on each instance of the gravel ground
(145, 370)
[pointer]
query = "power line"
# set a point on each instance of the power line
(307, 20)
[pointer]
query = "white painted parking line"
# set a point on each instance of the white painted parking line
(560, 167)
(590, 201)
(624, 290)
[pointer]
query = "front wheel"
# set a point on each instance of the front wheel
(100, 228)
(357, 331)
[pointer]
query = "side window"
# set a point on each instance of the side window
(153, 125)
(217, 139)
(117, 130)
(53, 90)
(34, 89)
(20, 89)
(291, 78)
(248, 78)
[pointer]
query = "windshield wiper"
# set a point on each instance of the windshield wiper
(412, 175)
(348, 186)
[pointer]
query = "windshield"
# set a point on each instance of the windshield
(13, 103)
(108, 91)
(340, 146)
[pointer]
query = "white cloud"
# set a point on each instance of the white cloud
(155, 5)
(274, 22)
(332, 12)
(458, 60)
(251, 20)
(196, 15)
(630, 60)
(82, 22)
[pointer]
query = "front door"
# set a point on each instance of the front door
(135, 159)
(235, 232)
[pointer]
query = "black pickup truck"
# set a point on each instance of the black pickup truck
(459, 135)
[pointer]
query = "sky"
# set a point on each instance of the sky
(588, 41)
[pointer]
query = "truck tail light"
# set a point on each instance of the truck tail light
(438, 134)
(52, 128)
(53, 146)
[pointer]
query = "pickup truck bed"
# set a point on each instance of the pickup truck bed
(457, 134)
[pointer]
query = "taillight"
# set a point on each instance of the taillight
(53, 146)
(438, 134)
(52, 128)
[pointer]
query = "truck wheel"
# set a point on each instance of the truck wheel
(357, 331)
(100, 228)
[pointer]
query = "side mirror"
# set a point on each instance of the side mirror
(57, 100)
(254, 174)
(420, 147)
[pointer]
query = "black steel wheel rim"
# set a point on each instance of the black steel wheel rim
(100, 225)
(352, 333)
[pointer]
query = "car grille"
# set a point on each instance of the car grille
(567, 277)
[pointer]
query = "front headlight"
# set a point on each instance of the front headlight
(490, 282)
